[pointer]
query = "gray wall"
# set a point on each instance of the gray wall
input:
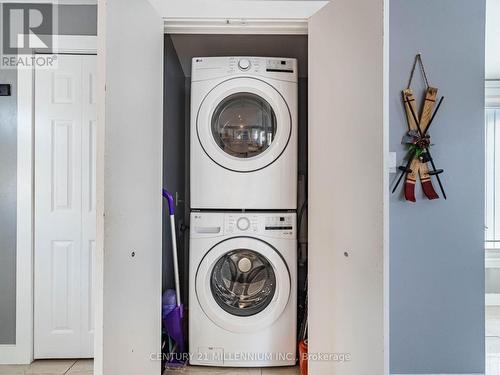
(436, 247)
(8, 172)
(73, 20)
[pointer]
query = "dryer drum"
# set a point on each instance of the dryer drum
(243, 282)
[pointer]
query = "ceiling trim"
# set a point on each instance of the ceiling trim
(237, 9)
(56, 2)
(235, 26)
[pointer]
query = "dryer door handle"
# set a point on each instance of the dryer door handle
(207, 230)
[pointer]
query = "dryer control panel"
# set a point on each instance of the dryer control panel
(262, 64)
(281, 68)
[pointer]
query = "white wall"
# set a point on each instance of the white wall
(128, 319)
(492, 39)
(347, 187)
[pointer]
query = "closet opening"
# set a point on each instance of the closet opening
(179, 51)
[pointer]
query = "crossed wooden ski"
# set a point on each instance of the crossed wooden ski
(417, 165)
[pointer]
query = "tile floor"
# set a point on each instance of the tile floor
(84, 367)
(51, 367)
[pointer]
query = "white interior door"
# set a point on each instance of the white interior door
(347, 187)
(129, 181)
(65, 215)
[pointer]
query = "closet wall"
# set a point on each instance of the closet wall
(175, 165)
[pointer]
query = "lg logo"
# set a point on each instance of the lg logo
(27, 27)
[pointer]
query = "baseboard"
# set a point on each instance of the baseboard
(476, 373)
(13, 355)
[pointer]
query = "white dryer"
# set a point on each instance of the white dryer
(242, 289)
(243, 133)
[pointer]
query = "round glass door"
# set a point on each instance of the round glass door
(243, 282)
(244, 125)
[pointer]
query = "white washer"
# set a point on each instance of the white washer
(244, 133)
(242, 289)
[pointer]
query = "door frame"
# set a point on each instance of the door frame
(492, 93)
(22, 351)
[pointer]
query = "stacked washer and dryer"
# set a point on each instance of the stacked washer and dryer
(243, 248)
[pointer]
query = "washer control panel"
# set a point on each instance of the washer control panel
(244, 64)
(237, 223)
(269, 224)
(243, 223)
(251, 224)
(279, 223)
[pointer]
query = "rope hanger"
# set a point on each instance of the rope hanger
(418, 60)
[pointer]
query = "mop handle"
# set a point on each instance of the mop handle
(170, 200)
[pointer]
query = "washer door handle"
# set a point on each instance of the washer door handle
(276, 293)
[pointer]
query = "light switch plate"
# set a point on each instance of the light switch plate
(392, 162)
(5, 89)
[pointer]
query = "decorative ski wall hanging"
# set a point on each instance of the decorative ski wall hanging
(418, 140)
